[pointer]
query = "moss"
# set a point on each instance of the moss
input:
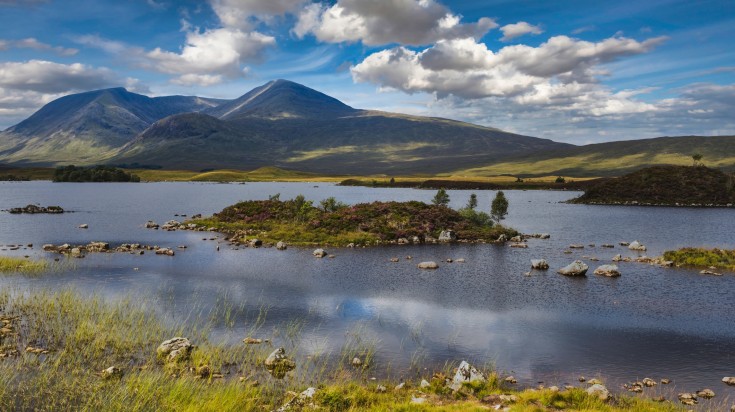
(719, 258)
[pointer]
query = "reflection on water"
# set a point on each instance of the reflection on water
(544, 327)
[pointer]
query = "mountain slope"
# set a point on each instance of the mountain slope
(615, 158)
(89, 127)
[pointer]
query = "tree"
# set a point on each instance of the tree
(499, 207)
(472, 203)
(392, 181)
(331, 204)
(697, 157)
(441, 198)
(561, 179)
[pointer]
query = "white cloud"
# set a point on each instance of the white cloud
(377, 22)
(511, 31)
(242, 13)
(49, 77)
(31, 43)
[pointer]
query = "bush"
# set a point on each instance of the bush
(93, 174)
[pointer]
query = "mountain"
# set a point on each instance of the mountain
(615, 158)
(289, 125)
(89, 127)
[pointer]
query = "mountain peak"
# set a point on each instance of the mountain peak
(283, 99)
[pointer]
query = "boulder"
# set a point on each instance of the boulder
(608, 270)
(576, 268)
(576, 246)
(299, 402)
(356, 362)
(278, 364)
(516, 239)
(175, 349)
(447, 236)
(320, 253)
(151, 225)
(729, 380)
(502, 238)
(636, 245)
(617, 258)
(112, 372)
(540, 264)
(165, 251)
(252, 341)
(281, 245)
(598, 391)
(84, 226)
(424, 383)
(98, 247)
(706, 394)
(255, 243)
(466, 373)
(428, 265)
(403, 241)
(688, 399)
(648, 382)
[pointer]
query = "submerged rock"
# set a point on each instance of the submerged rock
(428, 265)
(576, 268)
(636, 245)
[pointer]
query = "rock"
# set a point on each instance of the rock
(356, 362)
(617, 258)
(540, 264)
(706, 394)
(516, 239)
(607, 245)
(460, 260)
(636, 245)
(665, 381)
(394, 259)
(624, 243)
(165, 251)
(594, 381)
(381, 389)
(576, 246)
(84, 226)
(417, 401)
(76, 251)
(403, 241)
(320, 253)
(98, 247)
(424, 383)
(729, 380)
(400, 386)
(576, 268)
(112, 372)
(709, 272)
(299, 402)
(447, 236)
(519, 245)
(582, 379)
(33, 209)
(607, 270)
(553, 388)
(428, 265)
(648, 382)
(510, 379)
(502, 238)
(278, 364)
(49, 248)
(252, 341)
(255, 243)
(687, 398)
(174, 350)
(281, 245)
(599, 391)
(466, 373)
(204, 371)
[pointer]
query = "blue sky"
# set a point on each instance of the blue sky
(573, 71)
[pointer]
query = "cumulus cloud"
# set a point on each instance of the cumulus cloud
(378, 22)
(561, 73)
(49, 77)
(31, 43)
(242, 13)
(511, 31)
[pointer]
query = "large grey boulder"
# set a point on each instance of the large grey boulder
(320, 253)
(428, 265)
(638, 246)
(599, 391)
(466, 373)
(175, 349)
(576, 268)
(447, 236)
(540, 264)
(608, 270)
(281, 245)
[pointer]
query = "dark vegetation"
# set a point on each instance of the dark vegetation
(298, 221)
(470, 184)
(699, 257)
(93, 174)
(13, 178)
(665, 185)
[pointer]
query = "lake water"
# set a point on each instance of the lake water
(651, 322)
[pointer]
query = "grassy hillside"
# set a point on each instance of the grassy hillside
(616, 158)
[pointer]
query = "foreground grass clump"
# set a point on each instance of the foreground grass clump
(299, 222)
(54, 347)
(21, 265)
(719, 258)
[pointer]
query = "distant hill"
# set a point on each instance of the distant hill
(615, 158)
(665, 185)
(89, 127)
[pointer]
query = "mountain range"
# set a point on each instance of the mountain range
(289, 125)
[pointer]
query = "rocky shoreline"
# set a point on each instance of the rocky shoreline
(35, 209)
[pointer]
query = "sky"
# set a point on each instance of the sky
(569, 70)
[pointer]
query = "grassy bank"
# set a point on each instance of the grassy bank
(705, 258)
(56, 345)
(22, 265)
(300, 222)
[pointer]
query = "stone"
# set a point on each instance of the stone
(519, 245)
(281, 245)
(516, 239)
(356, 362)
(424, 383)
(394, 259)
(299, 402)
(111, 372)
(608, 270)
(502, 238)
(165, 251)
(649, 383)
(400, 386)
(576, 246)
(320, 253)
(447, 236)
(428, 265)
(84, 226)
(636, 245)
(576, 268)
(204, 371)
(466, 373)
(540, 264)
(709, 272)
(617, 258)
(599, 391)
(460, 260)
(417, 401)
(255, 243)
(278, 364)
(252, 341)
(594, 381)
(381, 389)
(665, 381)
(688, 399)
(729, 380)
(706, 394)
(510, 379)
(403, 241)
(175, 349)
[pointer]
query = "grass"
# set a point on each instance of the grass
(71, 338)
(698, 257)
(22, 265)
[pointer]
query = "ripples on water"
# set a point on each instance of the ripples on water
(544, 327)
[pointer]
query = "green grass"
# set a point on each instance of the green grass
(22, 265)
(82, 335)
(698, 257)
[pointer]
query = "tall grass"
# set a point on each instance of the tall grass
(10, 264)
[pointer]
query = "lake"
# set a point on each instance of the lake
(650, 322)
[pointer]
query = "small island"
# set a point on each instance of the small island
(702, 258)
(300, 222)
(93, 174)
(34, 209)
(695, 186)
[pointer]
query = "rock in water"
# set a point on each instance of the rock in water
(729, 380)
(599, 391)
(540, 264)
(608, 270)
(174, 350)
(320, 253)
(466, 373)
(447, 236)
(576, 268)
(636, 245)
(278, 364)
(281, 245)
(428, 265)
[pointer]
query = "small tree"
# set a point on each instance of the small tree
(561, 179)
(441, 198)
(331, 204)
(697, 157)
(392, 181)
(472, 203)
(499, 208)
